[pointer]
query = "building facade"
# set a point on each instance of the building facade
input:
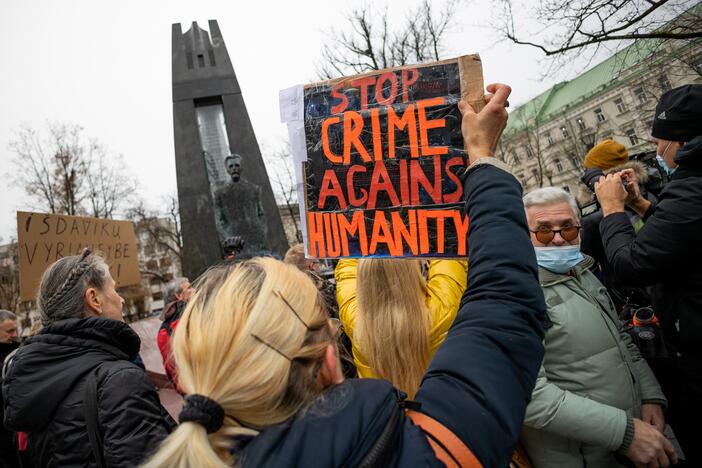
(547, 138)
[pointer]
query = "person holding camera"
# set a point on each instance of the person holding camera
(666, 253)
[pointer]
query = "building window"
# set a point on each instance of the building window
(515, 158)
(564, 131)
(201, 60)
(633, 139)
(619, 102)
(549, 139)
(529, 152)
(599, 115)
(664, 83)
(559, 165)
(640, 94)
(581, 123)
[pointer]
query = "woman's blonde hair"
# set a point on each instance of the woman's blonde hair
(392, 325)
(252, 339)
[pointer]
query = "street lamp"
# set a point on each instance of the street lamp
(588, 140)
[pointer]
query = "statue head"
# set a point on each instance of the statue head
(233, 165)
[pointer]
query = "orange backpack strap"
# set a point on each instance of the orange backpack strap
(447, 447)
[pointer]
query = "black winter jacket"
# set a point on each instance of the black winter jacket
(44, 390)
(480, 379)
(667, 252)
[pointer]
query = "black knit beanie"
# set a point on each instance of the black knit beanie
(679, 114)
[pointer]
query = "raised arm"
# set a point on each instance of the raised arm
(480, 380)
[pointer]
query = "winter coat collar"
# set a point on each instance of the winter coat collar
(549, 278)
(690, 159)
(102, 333)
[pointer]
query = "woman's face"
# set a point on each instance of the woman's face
(106, 302)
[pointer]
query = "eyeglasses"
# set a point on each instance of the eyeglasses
(546, 235)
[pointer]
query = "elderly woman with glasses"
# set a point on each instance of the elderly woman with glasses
(595, 396)
(73, 387)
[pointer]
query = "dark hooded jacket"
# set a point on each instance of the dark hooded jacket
(667, 253)
(478, 383)
(44, 389)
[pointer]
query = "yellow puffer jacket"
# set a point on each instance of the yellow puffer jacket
(446, 282)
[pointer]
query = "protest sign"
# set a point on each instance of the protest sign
(378, 159)
(44, 238)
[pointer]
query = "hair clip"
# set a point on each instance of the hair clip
(272, 347)
(293, 310)
(86, 253)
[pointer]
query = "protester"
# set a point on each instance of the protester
(608, 157)
(396, 330)
(259, 350)
(595, 394)
(73, 387)
(296, 256)
(666, 253)
(8, 343)
(176, 297)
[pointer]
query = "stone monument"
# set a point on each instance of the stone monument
(223, 188)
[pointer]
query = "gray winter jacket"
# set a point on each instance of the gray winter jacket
(592, 380)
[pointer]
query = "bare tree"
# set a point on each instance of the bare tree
(280, 163)
(163, 234)
(63, 171)
(565, 29)
(9, 278)
(371, 43)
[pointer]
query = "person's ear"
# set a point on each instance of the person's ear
(330, 371)
(93, 304)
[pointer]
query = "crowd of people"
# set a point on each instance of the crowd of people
(536, 351)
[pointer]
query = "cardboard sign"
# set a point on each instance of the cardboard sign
(44, 238)
(381, 160)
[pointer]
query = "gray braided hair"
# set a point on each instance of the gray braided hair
(63, 286)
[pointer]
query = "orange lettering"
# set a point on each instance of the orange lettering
(330, 188)
(363, 84)
(402, 232)
(455, 196)
(347, 229)
(426, 125)
(462, 224)
(379, 98)
(404, 183)
(335, 158)
(376, 185)
(377, 141)
(315, 234)
(353, 127)
(407, 121)
(418, 177)
(331, 229)
(423, 231)
(381, 233)
(353, 201)
(341, 107)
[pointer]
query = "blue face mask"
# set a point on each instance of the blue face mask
(558, 259)
(664, 165)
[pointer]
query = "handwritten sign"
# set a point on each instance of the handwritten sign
(45, 238)
(383, 159)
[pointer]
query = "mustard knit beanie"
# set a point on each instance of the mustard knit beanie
(605, 155)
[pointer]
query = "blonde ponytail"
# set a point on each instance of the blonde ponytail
(251, 338)
(392, 323)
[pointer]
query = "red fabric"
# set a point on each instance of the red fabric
(163, 339)
(22, 441)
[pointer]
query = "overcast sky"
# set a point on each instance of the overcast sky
(106, 65)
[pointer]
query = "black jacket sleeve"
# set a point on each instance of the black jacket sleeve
(481, 378)
(664, 246)
(132, 421)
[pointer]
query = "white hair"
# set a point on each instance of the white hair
(551, 196)
(6, 315)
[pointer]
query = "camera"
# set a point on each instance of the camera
(656, 177)
(642, 325)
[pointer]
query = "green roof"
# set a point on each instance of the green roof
(591, 83)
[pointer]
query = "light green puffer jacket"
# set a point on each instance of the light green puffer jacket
(592, 377)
